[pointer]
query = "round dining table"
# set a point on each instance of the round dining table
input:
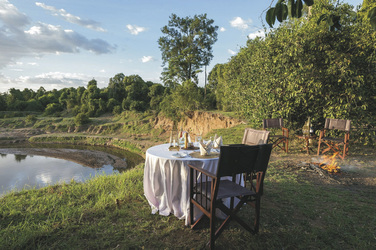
(166, 178)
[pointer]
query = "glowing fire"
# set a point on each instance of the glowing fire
(330, 164)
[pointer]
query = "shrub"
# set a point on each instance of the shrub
(81, 119)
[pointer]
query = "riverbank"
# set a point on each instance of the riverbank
(13, 141)
(112, 212)
(89, 158)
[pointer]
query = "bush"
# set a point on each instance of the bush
(30, 119)
(81, 119)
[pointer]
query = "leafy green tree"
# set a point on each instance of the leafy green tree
(53, 109)
(81, 119)
(183, 98)
(303, 69)
(28, 94)
(3, 102)
(34, 105)
(186, 47)
(112, 102)
(116, 88)
(14, 100)
(156, 92)
(284, 9)
(40, 92)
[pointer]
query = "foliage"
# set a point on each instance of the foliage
(81, 119)
(123, 93)
(53, 109)
(186, 46)
(30, 119)
(302, 69)
(183, 98)
(284, 9)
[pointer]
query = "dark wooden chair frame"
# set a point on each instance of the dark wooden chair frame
(335, 144)
(277, 123)
(207, 192)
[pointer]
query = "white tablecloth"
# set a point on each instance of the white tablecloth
(166, 180)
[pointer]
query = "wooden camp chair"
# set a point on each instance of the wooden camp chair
(208, 189)
(277, 123)
(339, 144)
(255, 137)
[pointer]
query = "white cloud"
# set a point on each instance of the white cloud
(146, 59)
(134, 29)
(10, 15)
(258, 33)
(222, 29)
(231, 52)
(39, 38)
(50, 80)
(240, 23)
(48, 38)
(90, 24)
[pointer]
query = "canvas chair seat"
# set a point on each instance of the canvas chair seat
(226, 189)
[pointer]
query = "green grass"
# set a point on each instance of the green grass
(296, 214)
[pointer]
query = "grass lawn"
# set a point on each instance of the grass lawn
(107, 212)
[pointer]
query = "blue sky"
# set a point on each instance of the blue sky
(67, 43)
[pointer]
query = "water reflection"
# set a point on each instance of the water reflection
(21, 171)
(131, 158)
(19, 158)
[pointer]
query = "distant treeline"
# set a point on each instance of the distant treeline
(123, 93)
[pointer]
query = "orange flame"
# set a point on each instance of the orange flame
(330, 164)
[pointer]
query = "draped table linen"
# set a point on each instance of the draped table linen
(166, 180)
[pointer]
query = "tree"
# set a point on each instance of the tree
(186, 46)
(156, 95)
(293, 9)
(284, 9)
(136, 93)
(303, 69)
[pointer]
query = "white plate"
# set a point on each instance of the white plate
(179, 155)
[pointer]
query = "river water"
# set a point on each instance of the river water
(19, 172)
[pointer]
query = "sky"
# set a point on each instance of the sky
(66, 43)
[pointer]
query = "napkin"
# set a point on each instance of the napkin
(217, 141)
(205, 149)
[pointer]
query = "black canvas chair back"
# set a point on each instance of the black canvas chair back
(207, 190)
(260, 167)
(278, 140)
(236, 159)
(272, 123)
(343, 125)
(336, 144)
